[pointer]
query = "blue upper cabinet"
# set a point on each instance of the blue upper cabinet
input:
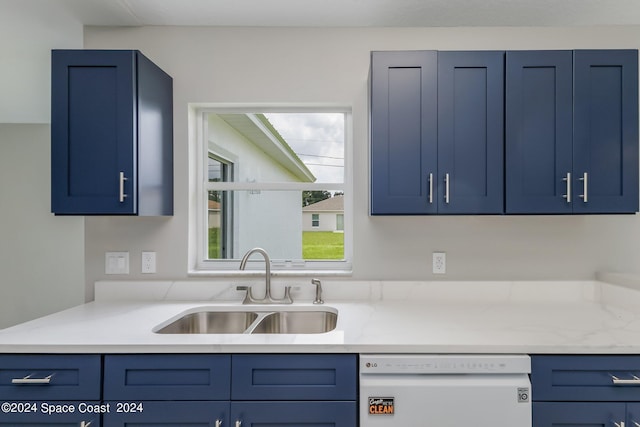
(539, 133)
(470, 132)
(404, 146)
(605, 131)
(437, 132)
(571, 132)
(111, 134)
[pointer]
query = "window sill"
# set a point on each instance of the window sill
(274, 273)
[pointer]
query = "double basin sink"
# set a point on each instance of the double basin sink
(258, 320)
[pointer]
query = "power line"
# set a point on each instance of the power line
(323, 157)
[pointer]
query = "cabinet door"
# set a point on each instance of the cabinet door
(574, 414)
(633, 414)
(403, 132)
(49, 413)
(539, 132)
(606, 131)
(470, 132)
(167, 414)
(92, 131)
(325, 414)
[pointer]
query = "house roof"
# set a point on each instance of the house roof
(257, 129)
(332, 204)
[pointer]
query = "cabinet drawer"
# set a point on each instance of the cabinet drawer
(167, 377)
(49, 377)
(294, 377)
(585, 378)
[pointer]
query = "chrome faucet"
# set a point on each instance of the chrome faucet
(249, 299)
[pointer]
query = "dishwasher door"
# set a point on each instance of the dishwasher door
(443, 400)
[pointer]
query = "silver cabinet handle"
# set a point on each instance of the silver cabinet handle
(85, 423)
(218, 423)
(617, 381)
(620, 424)
(635, 424)
(238, 423)
(122, 194)
(568, 180)
(430, 188)
(446, 188)
(585, 187)
(29, 380)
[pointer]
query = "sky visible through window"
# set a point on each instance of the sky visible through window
(317, 138)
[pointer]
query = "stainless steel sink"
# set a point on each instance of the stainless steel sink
(297, 322)
(211, 321)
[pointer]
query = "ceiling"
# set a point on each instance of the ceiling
(355, 13)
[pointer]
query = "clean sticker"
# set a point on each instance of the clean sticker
(381, 406)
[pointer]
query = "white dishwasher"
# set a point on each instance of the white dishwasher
(445, 390)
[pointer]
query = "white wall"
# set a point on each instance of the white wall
(29, 29)
(294, 65)
(41, 255)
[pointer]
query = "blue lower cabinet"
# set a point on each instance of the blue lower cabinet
(167, 414)
(294, 377)
(633, 414)
(325, 414)
(54, 413)
(598, 414)
(142, 377)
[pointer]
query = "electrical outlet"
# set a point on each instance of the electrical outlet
(439, 263)
(148, 262)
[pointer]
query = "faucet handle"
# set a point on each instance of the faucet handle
(247, 296)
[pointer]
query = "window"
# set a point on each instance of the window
(219, 210)
(263, 174)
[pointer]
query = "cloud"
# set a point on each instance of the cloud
(317, 138)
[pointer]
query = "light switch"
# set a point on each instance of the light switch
(116, 263)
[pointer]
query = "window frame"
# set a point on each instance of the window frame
(199, 264)
(227, 220)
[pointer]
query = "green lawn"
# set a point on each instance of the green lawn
(322, 245)
(315, 245)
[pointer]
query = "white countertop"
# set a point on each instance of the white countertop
(374, 317)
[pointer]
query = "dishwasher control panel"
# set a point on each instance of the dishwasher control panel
(444, 364)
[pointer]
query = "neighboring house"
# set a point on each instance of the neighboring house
(325, 215)
(214, 214)
(246, 148)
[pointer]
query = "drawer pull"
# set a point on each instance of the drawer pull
(85, 423)
(218, 423)
(618, 381)
(635, 424)
(238, 423)
(620, 424)
(29, 380)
